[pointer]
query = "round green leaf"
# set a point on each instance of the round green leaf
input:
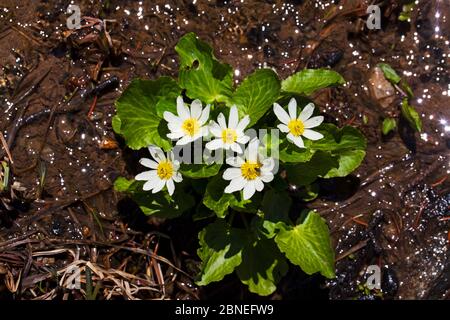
(308, 245)
(137, 119)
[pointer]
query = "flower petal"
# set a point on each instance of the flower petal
(149, 185)
(283, 128)
(183, 141)
(148, 163)
(243, 139)
(177, 177)
(236, 147)
(156, 153)
(222, 122)
(259, 185)
(252, 150)
(175, 127)
(146, 175)
(249, 190)
(312, 135)
(233, 119)
(176, 165)
(243, 123)
(306, 112)
(158, 187)
(266, 177)
(175, 135)
(281, 113)
(204, 131)
(215, 129)
(231, 173)
(313, 122)
(298, 141)
(292, 107)
(268, 164)
(182, 110)
(196, 109)
(235, 161)
(171, 118)
(235, 185)
(205, 115)
(170, 186)
(214, 144)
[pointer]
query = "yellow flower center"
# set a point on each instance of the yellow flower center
(190, 126)
(250, 170)
(229, 135)
(296, 127)
(165, 170)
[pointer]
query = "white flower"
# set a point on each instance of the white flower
(189, 125)
(296, 127)
(229, 137)
(249, 173)
(164, 173)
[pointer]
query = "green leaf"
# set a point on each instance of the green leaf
(407, 9)
(309, 80)
(394, 78)
(160, 204)
(215, 197)
(165, 104)
(217, 200)
(348, 161)
(116, 124)
(365, 119)
(249, 206)
(290, 153)
(389, 73)
(347, 145)
(256, 94)
(308, 246)
(220, 251)
(336, 139)
(123, 184)
(137, 119)
(411, 115)
(275, 207)
(201, 74)
(309, 192)
(263, 265)
(197, 171)
(388, 125)
(405, 86)
(302, 174)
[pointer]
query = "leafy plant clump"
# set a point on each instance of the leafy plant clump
(407, 10)
(408, 112)
(252, 229)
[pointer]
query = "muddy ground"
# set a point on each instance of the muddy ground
(393, 212)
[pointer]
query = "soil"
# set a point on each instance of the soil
(392, 212)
